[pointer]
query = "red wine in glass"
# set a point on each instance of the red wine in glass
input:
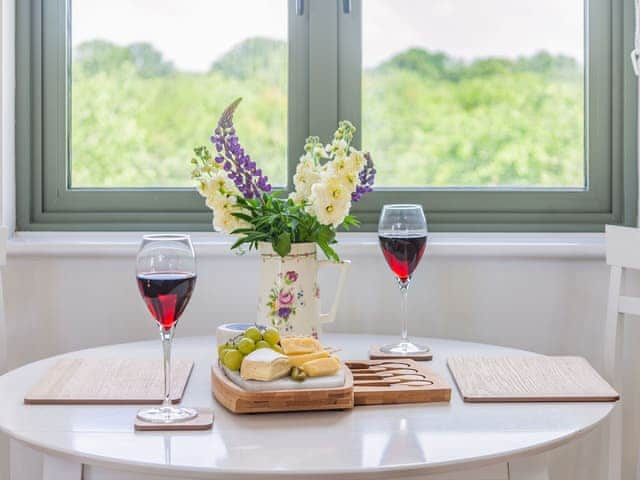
(166, 277)
(403, 253)
(166, 294)
(402, 232)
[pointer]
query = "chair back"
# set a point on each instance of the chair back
(623, 254)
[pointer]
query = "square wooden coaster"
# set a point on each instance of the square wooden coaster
(376, 354)
(204, 421)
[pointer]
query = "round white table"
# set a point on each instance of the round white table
(393, 441)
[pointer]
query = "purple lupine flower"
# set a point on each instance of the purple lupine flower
(238, 165)
(366, 179)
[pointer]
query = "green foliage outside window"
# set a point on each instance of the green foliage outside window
(428, 119)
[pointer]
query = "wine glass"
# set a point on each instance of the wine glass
(402, 232)
(166, 274)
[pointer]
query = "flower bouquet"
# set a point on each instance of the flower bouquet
(328, 180)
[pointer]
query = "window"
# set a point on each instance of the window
(139, 96)
(495, 115)
(501, 107)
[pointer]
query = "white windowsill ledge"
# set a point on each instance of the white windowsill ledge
(543, 245)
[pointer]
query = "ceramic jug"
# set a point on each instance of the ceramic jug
(289, 295)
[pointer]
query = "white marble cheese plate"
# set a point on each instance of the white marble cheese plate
(286, 383)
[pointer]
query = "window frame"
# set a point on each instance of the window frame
(324, 86)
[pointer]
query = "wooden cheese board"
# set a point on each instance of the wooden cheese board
(380, 382)
(238, 400)
(367, 382)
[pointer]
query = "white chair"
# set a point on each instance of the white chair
(623, 253)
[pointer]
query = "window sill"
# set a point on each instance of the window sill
(525, 245)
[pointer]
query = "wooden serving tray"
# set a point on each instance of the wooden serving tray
(379, 382)
(238, 400)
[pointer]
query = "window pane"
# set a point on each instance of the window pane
(150, 77)
(474, 93)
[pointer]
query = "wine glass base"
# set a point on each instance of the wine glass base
(167, 414)
(404, 348)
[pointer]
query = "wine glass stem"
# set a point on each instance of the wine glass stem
(167, 337)
(404, 313)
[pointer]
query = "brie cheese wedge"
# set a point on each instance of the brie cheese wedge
(265, 365)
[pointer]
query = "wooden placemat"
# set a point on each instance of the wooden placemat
(376, 354)
(106, 381)
(535, 378)
(376, 382)
(204, 421)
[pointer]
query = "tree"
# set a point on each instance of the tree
(261, 58)
(100, 56)
(148, 61)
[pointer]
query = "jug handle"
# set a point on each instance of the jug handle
(344, 267)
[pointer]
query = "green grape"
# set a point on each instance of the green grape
(272, 335)
(277, 348)
(298, 374)
(262, 344)
(232, 359)
(246, 345)
(253, 333)
(222, 351)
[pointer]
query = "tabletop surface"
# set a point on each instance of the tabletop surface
(400, 438)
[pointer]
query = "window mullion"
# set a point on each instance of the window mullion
(350, 67)
(323, 68)
(298, 94)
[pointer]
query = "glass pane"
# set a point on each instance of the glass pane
(474, 93)
(150, 78)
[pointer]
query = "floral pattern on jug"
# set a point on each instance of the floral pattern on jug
(284, 300)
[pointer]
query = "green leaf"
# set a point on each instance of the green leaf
(243, 216)
(326, 234)
(282, 244)
(329, 252)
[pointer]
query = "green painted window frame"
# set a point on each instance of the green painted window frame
(324, 86)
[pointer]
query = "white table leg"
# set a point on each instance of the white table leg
(56, 468)
(24, 462)
(530, 468)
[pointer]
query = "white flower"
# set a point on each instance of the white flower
(218, 183)
(306, 175)
(341, 169)
(327, 209)
(338, 166)
(319, 151)
(356, 161)
(297, 197)
(338, 147)
(350, 181)
(335, 187)
(223, 218)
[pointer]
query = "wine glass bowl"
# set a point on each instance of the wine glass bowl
(402, 232)
(166, 276)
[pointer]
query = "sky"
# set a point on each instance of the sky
(193, 33)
